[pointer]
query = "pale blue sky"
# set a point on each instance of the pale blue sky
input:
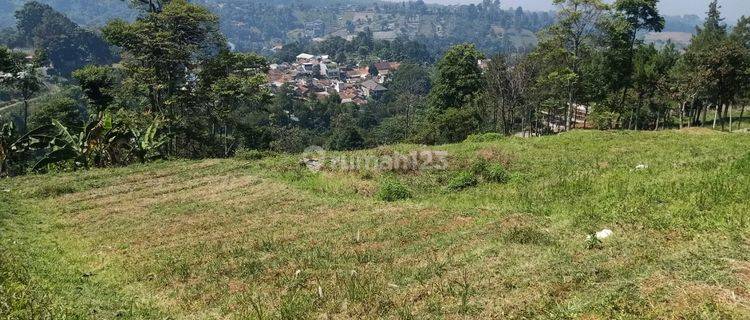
(731, 9)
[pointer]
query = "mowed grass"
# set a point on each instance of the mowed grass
(269, 239)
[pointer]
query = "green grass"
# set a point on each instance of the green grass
(268, 239)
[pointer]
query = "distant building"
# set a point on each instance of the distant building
(373, 89)
(304, 57)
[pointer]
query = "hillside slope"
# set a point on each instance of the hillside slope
(268, 238)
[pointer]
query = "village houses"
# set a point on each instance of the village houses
(319, 76)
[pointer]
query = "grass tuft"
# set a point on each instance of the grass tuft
(392, 190)
(462, 180)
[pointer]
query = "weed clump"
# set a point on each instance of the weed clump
(526, 235)
(495, 173)
(54, 190)
(462, 180)
(742, 165)
(392, 190)
(251, 154)
(479, 167)
(485, 137)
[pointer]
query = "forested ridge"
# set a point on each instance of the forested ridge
(257, 25)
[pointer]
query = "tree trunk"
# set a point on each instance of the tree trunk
(586, 117)
(25, 115)
(408, 118)
(682, 113)
(729, 110)
(630, 121)
(716, 116)
(226, 138)
(639, 106)
(570, 106)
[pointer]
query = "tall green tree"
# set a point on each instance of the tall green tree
(565, 45)
(458, 77)
(21, 75)
(98, 84)
(640, 16)
(719, 63)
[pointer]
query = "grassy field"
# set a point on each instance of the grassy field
(499, 233)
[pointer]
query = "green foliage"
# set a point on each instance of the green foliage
(462, 180)
(166, 48)
(98, 84)
(458, 78)
(291, 140)
(496, 173)
(485, 137)
(389, 131)
(592, 242)
(251, 154)
(146, 144)
(75, 147)
(410, 78)
(345, 135)
(742, 165)
(479, 167)
(641, 14)
(7, 137)
(602, 119)
(61, 108)
(527, 235)
(392, 190)
(452, 125)
(490, 172)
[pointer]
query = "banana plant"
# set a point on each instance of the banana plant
(6, 135)
(146, 143)
(11, 148)
(79, 148)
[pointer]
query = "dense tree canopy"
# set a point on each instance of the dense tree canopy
(181, 91)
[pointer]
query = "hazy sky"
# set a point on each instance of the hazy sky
(731, 9)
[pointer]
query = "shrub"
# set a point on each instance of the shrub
(392, 190)
(742, 165)
(526, 235)
(496, 173)
(485, 137)
(603, 120)
(489, 172)
(62, 108)
(479, 167)
(462, 180)
(251, 154)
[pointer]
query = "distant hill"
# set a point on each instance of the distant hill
(82, 12)
(258, 25)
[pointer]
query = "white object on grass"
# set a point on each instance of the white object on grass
(606, 233)
(641, 167)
